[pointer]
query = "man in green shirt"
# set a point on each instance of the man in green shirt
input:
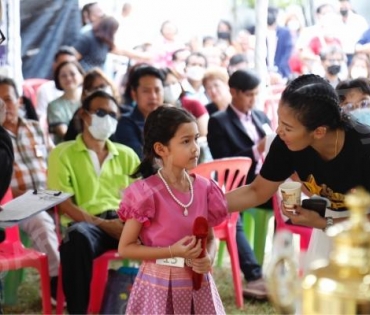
(96, 171)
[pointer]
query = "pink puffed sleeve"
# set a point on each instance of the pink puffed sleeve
(137, 203)
(217, 206)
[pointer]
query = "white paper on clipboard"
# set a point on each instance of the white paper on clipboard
(29, 204)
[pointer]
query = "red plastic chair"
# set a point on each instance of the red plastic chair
(14, 256)
(30, 87)
(303, 231)
(229, 174)
(98, 281)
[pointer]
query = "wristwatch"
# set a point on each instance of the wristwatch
(329, 223)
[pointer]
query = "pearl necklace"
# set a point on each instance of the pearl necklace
(186, 212)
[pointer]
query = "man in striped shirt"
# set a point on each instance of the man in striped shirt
(29, 172)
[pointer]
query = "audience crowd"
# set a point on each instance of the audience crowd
(94, 113)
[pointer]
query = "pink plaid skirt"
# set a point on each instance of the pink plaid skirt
(162, 289)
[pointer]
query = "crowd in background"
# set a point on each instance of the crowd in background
(205, 77)
(336, 47)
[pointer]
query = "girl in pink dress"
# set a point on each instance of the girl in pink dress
(160, 211)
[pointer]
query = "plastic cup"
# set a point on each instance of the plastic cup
(290, 193)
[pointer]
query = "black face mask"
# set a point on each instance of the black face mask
(224, 35)
(343, 12)
(334, 69)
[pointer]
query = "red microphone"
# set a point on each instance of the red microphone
(200, 231)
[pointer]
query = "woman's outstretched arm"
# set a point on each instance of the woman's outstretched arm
(252, 195)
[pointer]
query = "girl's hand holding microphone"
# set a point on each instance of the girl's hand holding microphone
(202, 265)
(187, 247)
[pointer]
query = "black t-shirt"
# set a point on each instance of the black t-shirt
(331, 179)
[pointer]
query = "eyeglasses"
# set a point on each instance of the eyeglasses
(102, 113)
(2, 37)
(362, 104)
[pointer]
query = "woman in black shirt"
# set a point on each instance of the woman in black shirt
(322, 147)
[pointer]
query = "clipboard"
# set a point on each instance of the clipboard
(30, 203)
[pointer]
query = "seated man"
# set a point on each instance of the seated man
(96, 171)
(30, 167)
(146, 86)
(239, 131)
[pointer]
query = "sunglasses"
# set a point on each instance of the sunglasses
(102, 113)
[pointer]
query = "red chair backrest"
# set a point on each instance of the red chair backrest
(7, 197)
(11, 233)
(229, 173)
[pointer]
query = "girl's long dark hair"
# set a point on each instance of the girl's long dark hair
(314, 102)
(160, 126)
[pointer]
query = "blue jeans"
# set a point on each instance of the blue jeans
(248, 262)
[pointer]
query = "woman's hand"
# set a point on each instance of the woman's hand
(202, 265)
(301, 216)
(187, 247)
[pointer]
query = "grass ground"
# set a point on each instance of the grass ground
(29, 301)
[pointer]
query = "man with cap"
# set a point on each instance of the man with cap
(240, 131)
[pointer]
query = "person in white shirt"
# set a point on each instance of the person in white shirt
(195, 67)
(354, 25)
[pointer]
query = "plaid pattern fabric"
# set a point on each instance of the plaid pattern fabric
(30, 156)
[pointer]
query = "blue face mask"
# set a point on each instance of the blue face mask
(362, 115)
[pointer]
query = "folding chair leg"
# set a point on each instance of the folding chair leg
(12, 280)
(220, 254)
(235, 268)
(45, 285)
(262, 217)
(249, 227)
(60, 294)
(99, 280)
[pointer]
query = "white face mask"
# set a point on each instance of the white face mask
(357, 72)
(102, 128)
(172, 93)
(195, 73)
